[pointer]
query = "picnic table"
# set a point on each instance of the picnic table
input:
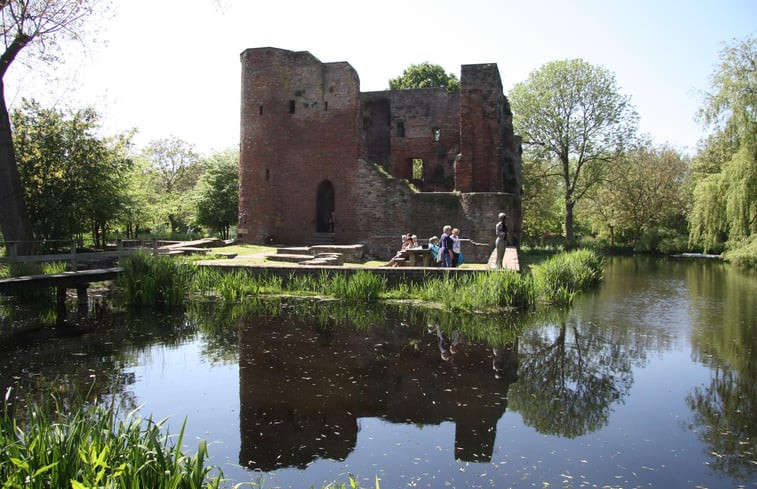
(418, 257)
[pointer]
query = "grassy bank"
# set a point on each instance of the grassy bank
(150, 280)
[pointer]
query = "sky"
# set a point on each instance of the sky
(171, 68)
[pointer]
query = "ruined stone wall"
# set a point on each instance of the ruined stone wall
(299, 128)
(482, 129)
(306, 127)
(402, 125)
(393, 208)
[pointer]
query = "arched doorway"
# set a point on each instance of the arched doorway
(324, 219)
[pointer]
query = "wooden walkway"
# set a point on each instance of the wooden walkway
(60, 281)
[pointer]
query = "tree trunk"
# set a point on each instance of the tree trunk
(14, 220)
(569, 238)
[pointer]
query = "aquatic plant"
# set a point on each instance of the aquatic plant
(149, 280)
(558, 279)
(90, 447)
(361, 286)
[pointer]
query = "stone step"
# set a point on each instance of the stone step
(288, 258)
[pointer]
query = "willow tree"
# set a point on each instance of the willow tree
(40, 25)
(574, 121)
(724, 202)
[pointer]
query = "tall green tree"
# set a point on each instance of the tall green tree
(42, 24)
(644, 189)
(724, 196)
(575, 122)
(218, 193)
(73, 179)
(425, 75)
(174, 168)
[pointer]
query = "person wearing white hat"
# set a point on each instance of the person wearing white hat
(501, 241)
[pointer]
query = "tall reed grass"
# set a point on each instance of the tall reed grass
(360, 286)
(558, 279)
(89, 447)
(485, 291)
(151, 280)
(148, 280)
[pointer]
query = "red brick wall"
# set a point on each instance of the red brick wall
(399, 127)
(304, 122)
(284, 155)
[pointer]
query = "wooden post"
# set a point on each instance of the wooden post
(74, 264)
(155, 246)
(81, 294)
(13, 250)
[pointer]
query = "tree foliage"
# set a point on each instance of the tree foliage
(425, 75)
(217, 193)
(173, 168)
(42, 24)
(72, 178)
(644, 189)
(575, 122)
(724, 196)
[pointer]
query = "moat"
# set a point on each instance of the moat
(647, 381)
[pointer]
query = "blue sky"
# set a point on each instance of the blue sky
(171, 67)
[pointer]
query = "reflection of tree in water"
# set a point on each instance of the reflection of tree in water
(725, 417)
(567, 383)
(725, 411)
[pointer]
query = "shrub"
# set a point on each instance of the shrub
(743, 254)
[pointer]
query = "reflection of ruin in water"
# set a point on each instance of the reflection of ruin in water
(304, 387)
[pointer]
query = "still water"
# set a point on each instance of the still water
(647, 381)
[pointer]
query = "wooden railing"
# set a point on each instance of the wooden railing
(73, 257)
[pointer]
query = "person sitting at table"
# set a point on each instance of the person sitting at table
(433, 247)
(408, 241)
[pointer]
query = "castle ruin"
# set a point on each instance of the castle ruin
(321, 162)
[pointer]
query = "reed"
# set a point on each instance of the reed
(361, 286)
(486, 291)
(151, 280)
(90, 447)
(558, 279)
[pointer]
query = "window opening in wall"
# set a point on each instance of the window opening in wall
(325, 106)
(261, 110)
(267, 174)
(437, 134)
(417, 169)
(291, 106)
(400, 129)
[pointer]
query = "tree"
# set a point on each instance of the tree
(425, 75)
(724, 196)
(572, 118)
(25, 23)
(218, 193)
(644, 189)
(73, 180)
(174, 170)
